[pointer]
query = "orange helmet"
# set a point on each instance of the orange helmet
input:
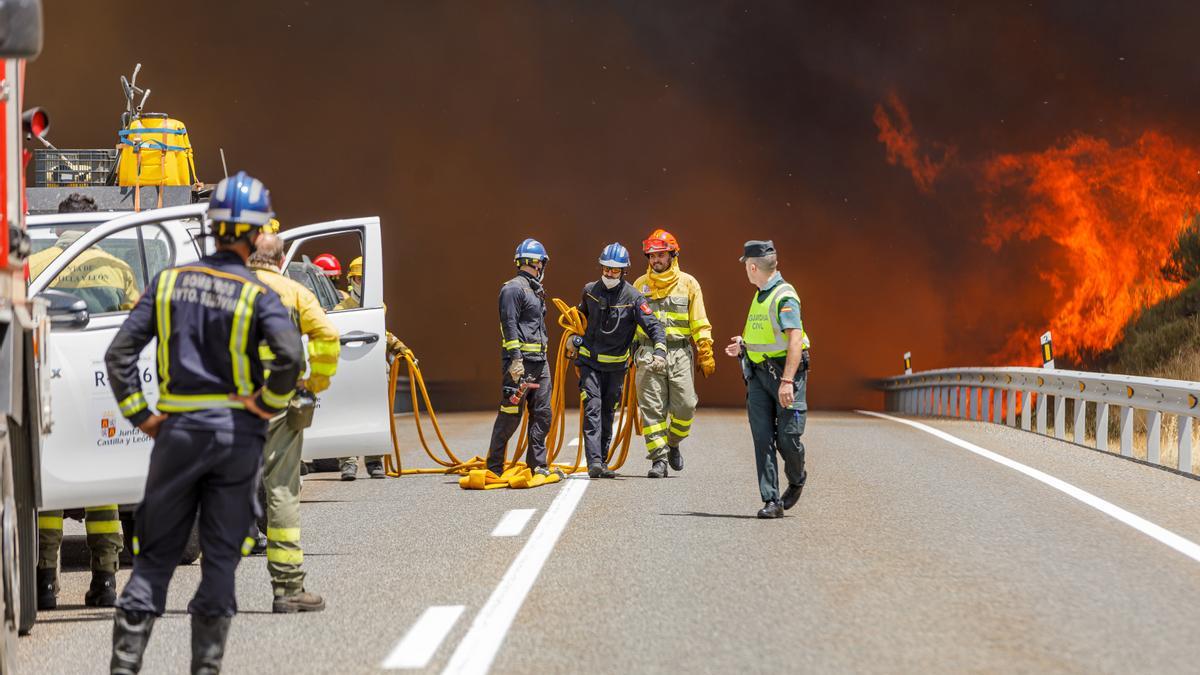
(660, 240)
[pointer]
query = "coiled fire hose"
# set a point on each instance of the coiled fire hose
(516, 473)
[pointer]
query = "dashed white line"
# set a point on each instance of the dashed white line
(474, 655)
(513, 523)
(423, 639)
(1185, 546)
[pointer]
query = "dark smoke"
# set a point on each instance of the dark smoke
(467, 127)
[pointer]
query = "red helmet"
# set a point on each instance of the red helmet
(329, 265)
(660, 240)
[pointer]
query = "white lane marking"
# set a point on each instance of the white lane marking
(423, 639)
(478, 648)
(1185, 546)
(513, 523)
(574, 442)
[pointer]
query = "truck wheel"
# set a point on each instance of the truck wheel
(25, 521)
(9, 557)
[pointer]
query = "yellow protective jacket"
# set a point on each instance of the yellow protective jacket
(678, 306)
(323, 344)
(394, 345)
(102, 280)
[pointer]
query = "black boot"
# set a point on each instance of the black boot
(675, 458)
(771, 510)
(658, 469)
(208, 643)
(131, 633)
(47, 598)
(103, 591)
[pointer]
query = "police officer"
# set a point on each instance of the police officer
(102, 523)
(352, 299)
(614, 310)
(773, 348)
(523, 346)
(285, 435)
(209, 319)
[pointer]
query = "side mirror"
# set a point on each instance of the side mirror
(20, 28)
(67, 311)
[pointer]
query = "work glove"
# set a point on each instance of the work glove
(516, 369)
(704, 357)
(317, 383)
(659, 365)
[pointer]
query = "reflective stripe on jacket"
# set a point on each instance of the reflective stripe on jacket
(681, 311)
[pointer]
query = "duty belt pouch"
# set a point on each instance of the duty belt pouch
(300, 411)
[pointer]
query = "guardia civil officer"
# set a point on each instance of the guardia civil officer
(773, 349)
(614, 311)
(523, 348)
(209, 319)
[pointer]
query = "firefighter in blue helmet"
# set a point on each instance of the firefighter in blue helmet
(523, 351)
(614, 311)
(209, 319)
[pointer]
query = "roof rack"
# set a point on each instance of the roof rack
(114, 198)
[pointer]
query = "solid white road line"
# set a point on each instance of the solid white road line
(478, 648)
(513, 523)
(1185, 546)
(423, 639)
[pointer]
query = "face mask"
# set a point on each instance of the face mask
(610, 283)
(356, 291)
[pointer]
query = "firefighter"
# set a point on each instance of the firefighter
(105, 282)
(614, 310)
(523, 351)
(209, 318)
(285, 434)
(331, 268)
(353, 300)
(773, 349)
(668, 400)
(102, 523)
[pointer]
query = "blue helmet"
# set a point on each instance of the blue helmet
(239, 203)
(614, 255)
(531, 249)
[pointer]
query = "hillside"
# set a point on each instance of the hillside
(1162, 341)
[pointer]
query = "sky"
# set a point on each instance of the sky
(469, 126)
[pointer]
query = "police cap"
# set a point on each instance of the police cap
(757, 248)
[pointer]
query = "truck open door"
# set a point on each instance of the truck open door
(352, 415)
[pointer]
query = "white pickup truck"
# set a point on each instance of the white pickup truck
(94, 457)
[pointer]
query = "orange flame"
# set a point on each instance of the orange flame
(903, 147)
(1114, 213)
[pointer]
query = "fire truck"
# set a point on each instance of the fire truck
(24, 328)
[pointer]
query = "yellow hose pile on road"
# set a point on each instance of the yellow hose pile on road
(516, 473)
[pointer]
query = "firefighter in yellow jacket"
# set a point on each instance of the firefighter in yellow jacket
(668, 400)
(354, 277)
(105, 282)
(285, 435)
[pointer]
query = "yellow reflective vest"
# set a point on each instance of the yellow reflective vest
(681, 311)
(323, 344)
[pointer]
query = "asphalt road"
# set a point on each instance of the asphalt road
(905, 554)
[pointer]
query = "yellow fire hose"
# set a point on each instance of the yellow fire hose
(516, 473)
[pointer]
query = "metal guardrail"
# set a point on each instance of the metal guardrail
(996, 394)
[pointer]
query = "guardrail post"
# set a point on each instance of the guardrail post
(1011, 397)
(1185, 444)
(938, 393)
(997, 408)
(982, 412)
(954, 395)
(1080, 421)
(1101, 426)
(926, 404)
(1127, 431)
(1041, 413)
(1060, 417)
(1028, 399)
(1153, 435)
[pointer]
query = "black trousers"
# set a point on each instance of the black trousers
(600, 391)
(538, 402)
(775, 429)
(215, 472)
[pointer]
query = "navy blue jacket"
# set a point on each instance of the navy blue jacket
(523, 319)
(613, 317)
(209, 318)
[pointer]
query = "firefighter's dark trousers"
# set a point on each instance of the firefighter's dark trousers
(215, 472)
(599, 394)
(509, 417)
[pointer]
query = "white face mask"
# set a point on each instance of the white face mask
(356, 291)
(610, 283)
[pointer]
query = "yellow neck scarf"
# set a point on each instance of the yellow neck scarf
(661, 283)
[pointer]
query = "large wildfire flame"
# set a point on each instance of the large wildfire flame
(1114, 213)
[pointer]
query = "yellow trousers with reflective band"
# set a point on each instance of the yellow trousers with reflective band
(668, 401)
(281, 479)
(103, 525)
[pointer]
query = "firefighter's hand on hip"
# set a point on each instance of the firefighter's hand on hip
(787, 393)
(734, 348)
(152, 424)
